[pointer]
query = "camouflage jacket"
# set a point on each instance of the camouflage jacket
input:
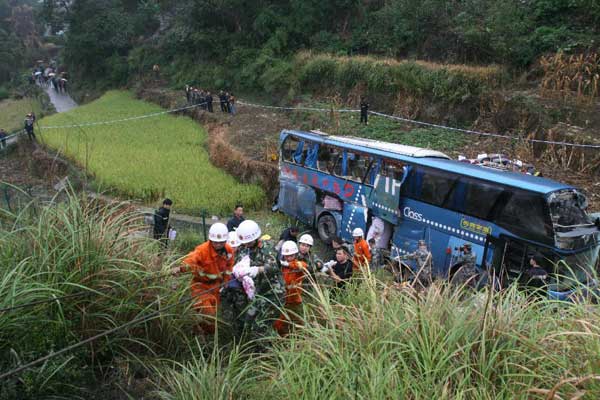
(270, 282)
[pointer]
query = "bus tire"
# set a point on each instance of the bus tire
(327, 228)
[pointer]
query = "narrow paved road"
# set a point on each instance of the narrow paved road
(62, 102)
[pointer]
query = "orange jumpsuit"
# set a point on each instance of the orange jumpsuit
(362, 255)
(293, 275)
(210, 269)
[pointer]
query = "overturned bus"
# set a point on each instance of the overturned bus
(337, 183)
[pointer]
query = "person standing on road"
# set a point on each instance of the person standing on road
(211, 264)
(237, 219)
(223, 101)
(161, 222)
(209, 102)
(232, 104)
(364, 111)
(29, 121)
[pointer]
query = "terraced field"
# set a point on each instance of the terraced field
(147, 158)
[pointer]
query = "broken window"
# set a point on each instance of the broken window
(292, 150)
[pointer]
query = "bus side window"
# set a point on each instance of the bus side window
(325, 158)
(527, 214)
(436, 187)
(393, 169)
(290, 147)
(358, 167)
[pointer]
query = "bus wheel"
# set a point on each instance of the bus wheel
(327, 227)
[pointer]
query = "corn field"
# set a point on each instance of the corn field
(576, 74)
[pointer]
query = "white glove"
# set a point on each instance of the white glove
(327, 266)
(284, 263)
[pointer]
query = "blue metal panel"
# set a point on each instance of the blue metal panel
(354, 216)
(297, 200)
(346, 190)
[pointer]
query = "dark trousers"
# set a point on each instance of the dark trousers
(209, 104)
(363, 116)
(223, 106)
(31, 135)
(2, 143)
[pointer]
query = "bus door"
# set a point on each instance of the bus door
(384, 200)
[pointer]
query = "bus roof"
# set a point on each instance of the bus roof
(434, 159)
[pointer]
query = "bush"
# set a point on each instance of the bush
(4, 94)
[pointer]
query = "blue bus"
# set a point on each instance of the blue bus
(338, 183)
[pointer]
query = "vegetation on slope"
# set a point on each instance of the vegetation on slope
(161, 156)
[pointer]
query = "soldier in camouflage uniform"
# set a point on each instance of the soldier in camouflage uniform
(314, 264)
(423, 259)
(467, 272)
(254, 317)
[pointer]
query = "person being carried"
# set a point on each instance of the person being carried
(211, 265)
(251, 302)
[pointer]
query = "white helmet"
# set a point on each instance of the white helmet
(357, 232)
(306, 239)
(218, 232)
(289, 248)
(232, 240)
(248, 231)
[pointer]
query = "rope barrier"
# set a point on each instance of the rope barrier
(72, 295)
(315, 109)
(74, 346)
(114, 121)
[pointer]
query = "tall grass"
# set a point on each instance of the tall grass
(76, 246)
(375, 342)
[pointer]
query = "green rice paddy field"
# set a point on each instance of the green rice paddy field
(147, 159)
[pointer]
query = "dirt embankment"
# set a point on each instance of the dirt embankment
(227, 137)
(243, 144)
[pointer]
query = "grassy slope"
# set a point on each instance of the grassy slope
(147, 158)
(12, 112)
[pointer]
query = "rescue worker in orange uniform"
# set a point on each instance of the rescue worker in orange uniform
(294, 272)
(362, 253)
(211, 265)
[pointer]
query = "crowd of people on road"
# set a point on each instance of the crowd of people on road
(258, 288)
(49, 76)
(204, 99)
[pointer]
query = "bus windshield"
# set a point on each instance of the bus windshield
(567, 208)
